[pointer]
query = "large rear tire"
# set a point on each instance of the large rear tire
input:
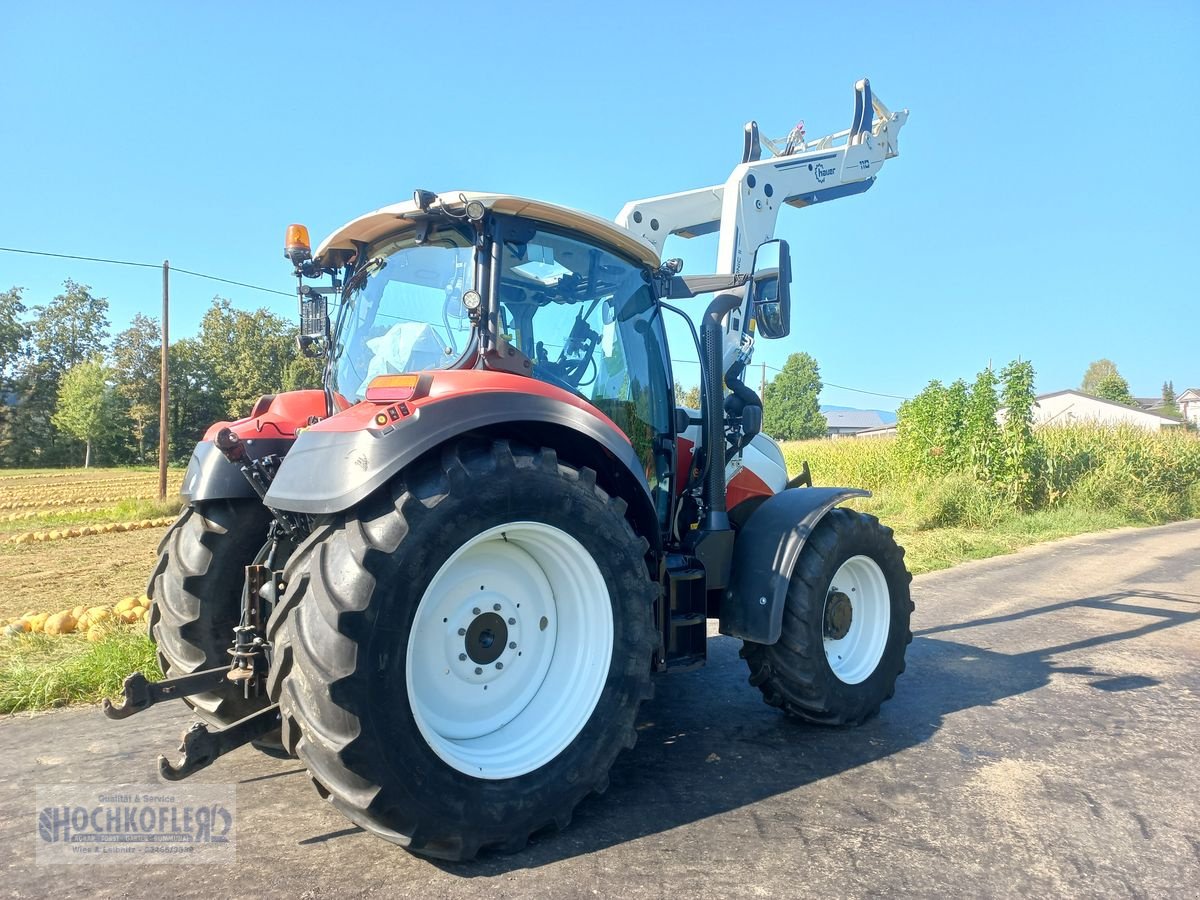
(845, 625)
(195, 592)
(459, 660)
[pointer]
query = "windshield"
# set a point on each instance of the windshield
(403, 311)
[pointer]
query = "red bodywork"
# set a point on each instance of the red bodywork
(276, 416)
(446, 383)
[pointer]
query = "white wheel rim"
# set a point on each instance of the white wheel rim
(854, 648)
(536, 590)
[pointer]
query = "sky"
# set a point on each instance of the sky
(1042, 205)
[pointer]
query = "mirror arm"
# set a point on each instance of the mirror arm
(684, 287)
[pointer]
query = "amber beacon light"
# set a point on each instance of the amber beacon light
(296, 245)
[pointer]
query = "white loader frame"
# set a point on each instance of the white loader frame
(799, 173)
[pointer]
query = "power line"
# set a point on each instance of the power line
(143, 265)
(842, 387)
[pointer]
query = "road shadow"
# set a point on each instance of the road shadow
(708, 744)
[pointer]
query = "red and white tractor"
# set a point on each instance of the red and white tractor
(446, 580)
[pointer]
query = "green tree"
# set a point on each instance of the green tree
(1169, 406)
(137, 367)
(249, 354)
(791, 407)
(70, 329)
(194, 402)
(85, 398)
(1114, 387)
(1095, 371)
(688, 398)
(13, 333)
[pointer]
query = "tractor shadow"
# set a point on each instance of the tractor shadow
(707, 743)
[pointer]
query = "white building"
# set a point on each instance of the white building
(1078, 408)
(1189, 405)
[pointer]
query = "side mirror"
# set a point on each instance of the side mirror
(770, 289)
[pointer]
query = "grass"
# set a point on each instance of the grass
(39, 672)
(1095, 480)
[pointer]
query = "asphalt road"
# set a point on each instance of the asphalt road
(1042, 742)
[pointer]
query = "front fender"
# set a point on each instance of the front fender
(764, 556)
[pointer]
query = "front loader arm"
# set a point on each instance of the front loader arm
(796, 172)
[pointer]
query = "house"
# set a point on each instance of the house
(1189, 405)
(1078, 408)
(849, 422)
(885, 430)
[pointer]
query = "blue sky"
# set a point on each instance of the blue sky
(1042, 205)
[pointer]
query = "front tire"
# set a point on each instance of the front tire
(425, 713)
(845, 625)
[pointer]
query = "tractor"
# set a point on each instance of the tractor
(447, 580)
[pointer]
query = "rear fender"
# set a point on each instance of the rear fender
(764, 556)
(329, 471)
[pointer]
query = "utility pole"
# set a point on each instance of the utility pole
(762, 393)
(163, 392)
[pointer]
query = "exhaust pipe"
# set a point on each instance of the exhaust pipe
(716, 517)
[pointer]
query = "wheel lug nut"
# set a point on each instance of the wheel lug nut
(499, 665)
(478, 671)
(512, 645)
(512, 621)
(462, 657)
(475, 611)
(496, 607)
(461, 632)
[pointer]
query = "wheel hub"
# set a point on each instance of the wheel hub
(486, 638)
(839, 614)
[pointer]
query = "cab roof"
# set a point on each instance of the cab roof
(388, 219)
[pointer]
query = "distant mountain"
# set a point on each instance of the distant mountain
(888, 417)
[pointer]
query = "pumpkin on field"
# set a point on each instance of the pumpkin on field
(37, 623)
(60, 623)
(125, 604)
(96, 633)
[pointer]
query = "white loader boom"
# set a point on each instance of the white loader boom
(798, 173)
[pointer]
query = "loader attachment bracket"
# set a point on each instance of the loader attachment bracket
(765, 554)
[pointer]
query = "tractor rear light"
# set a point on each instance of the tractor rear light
(392, 388)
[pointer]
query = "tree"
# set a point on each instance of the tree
(1095, 371)
(249, 354)
(13, 332)
(136, 364)
(689, 398)
(1169, 406)
(791, 407)
(1114, 387)
(85, 403)
(194, 403)
(71, 329)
